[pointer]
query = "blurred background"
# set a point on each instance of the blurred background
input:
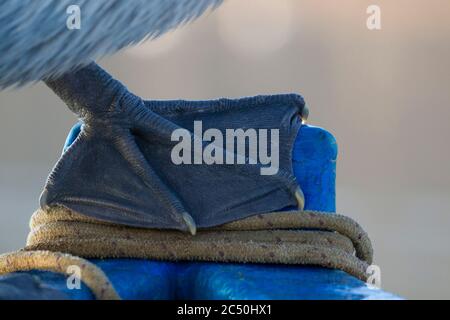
(384, 94)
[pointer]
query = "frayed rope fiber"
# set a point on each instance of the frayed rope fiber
(288, 237)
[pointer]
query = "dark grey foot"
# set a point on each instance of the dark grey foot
(119, 169)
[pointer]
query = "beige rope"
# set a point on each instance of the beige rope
(305, 238)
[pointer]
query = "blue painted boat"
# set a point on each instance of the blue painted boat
(314, 161)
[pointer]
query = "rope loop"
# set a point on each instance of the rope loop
(59, 237)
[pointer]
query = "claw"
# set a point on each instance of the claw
(192, 227)
(300, 197)
(304, 115)
(43, 200)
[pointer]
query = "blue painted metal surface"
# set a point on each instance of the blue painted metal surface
(314, 162)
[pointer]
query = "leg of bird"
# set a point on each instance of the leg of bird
(89, 92)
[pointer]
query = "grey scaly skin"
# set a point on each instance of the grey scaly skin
(107, 108)
(118, 169)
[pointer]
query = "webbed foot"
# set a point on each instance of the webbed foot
(119, 168)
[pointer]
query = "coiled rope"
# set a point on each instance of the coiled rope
(291, 237)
